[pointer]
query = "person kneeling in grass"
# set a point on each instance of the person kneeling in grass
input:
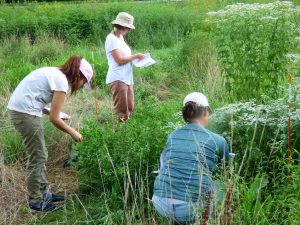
(27, 104)
(191, 156)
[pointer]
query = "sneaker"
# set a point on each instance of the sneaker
(52, 198)
(41, 207)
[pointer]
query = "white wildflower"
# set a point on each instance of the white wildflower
(268, 18)
(293, 57)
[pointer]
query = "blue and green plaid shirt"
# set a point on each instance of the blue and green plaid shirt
(191, 156)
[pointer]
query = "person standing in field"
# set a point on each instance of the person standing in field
(26, 106)
(191, 158)
(119, 76)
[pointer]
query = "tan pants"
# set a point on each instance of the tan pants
(32, 132)
(123, 99)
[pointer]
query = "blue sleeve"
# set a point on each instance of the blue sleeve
(223, 150)
(163, 154)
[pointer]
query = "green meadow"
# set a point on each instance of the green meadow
(238, 53)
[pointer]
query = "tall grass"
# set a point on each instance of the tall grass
(92, 22)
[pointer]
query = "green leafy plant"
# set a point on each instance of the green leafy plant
(252, 42)
(110, 153)
(258, 133)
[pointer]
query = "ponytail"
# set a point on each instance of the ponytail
(191, 111)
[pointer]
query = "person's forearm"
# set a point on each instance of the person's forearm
(61, 125)
(125, 60)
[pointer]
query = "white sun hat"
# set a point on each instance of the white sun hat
(197, 97)
(124, 19)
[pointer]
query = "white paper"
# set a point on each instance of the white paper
(62, 115)
(145, 62)
(231, 155)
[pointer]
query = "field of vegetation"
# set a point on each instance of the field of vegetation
(238, 53)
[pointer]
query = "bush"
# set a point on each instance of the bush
(252, 41)
(258, 134)
(109, 154)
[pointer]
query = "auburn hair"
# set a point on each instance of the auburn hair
(72, 71)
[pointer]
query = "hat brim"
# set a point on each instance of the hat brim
(123, 24)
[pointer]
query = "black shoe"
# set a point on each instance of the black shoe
(41, 207)
(57, 198)
(52, 198)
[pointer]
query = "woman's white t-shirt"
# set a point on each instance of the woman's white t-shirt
(118, 72)
(35, 91)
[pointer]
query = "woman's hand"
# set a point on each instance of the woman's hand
(76, 136)
(139, 56)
